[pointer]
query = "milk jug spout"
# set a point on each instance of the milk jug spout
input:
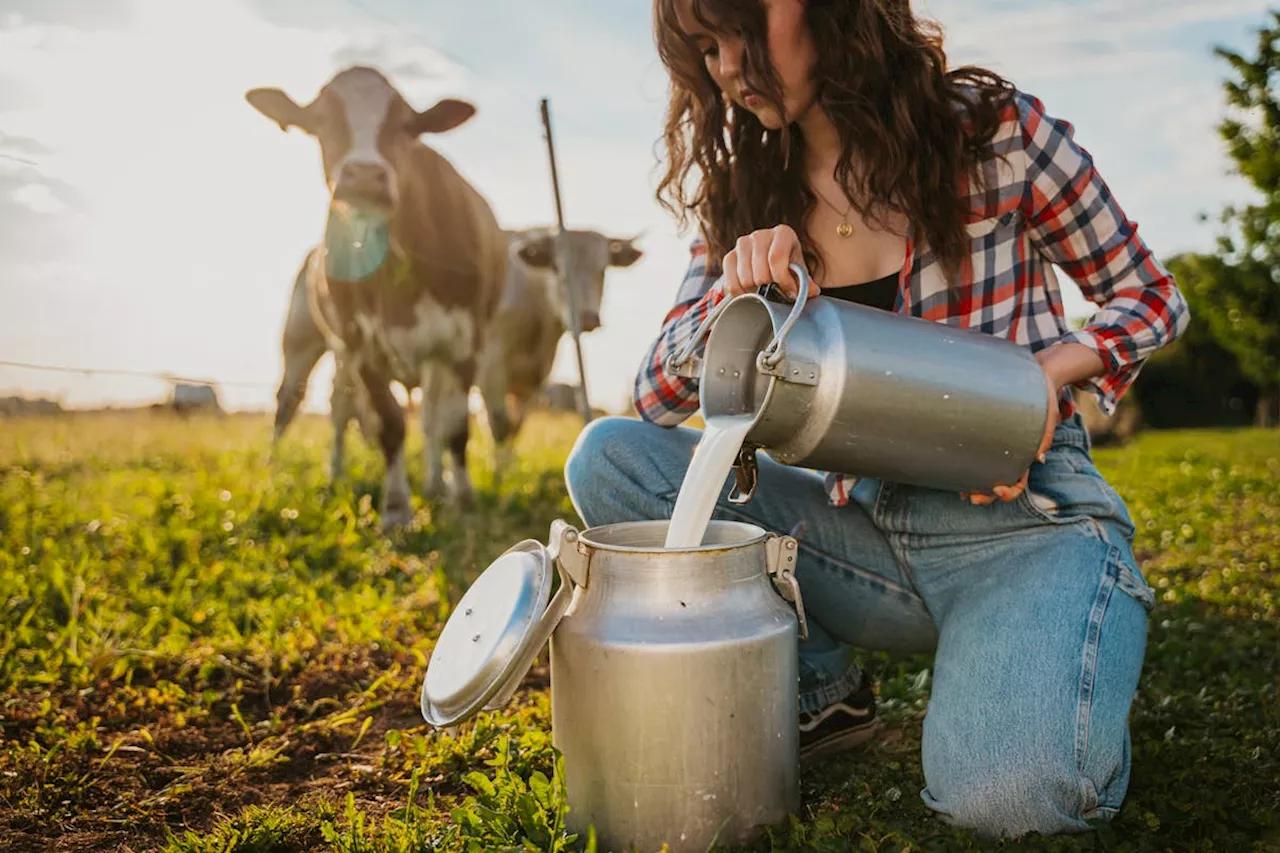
(746, 473)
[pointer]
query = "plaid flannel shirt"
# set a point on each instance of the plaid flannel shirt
(1045, 204)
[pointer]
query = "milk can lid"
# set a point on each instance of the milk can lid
(491, 638)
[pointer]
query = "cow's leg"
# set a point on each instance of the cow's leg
(395, 509)
(455, 420)
(298, 365)
(366, 419)
(432, 442)
(493, 389)
(519, 407)
(514, 408)
(300, 359)
(302, 344)
(445, 421)
(342, 408)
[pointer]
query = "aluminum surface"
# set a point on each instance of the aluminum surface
(674, 689)
(893, 397)
(486, 634)
(674, 675)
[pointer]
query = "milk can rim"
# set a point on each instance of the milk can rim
(586, 539)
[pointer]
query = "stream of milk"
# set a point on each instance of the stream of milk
(708, 470)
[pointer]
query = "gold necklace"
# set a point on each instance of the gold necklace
(844, 229)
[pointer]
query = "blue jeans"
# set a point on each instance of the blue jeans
(1035, 610)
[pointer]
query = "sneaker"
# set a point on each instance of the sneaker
(840, 726)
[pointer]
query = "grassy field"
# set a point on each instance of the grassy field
(203, 651)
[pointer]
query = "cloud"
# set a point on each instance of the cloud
(38, 217)
(82, 14)
(16, 92)
(316, 15)
(39, 199)
(404, 63)
(23, 146)
(1137, 79)
(1102, 21)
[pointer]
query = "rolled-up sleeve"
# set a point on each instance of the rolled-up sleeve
(1076, 223)
(660, 397)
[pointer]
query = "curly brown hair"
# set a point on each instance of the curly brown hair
(913, 127)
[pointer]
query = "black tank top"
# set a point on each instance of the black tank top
(880, 293)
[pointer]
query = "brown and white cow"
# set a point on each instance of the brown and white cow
(534, 313)
(410, 269)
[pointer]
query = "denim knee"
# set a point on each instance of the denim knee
(1013, 799)
(609, 473)
(589, 460)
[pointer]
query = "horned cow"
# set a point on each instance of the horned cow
(535, 312)
(410, 269)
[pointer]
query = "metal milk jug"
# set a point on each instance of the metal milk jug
(674, 675)
(842, 387)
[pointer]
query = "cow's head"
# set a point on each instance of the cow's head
(366, 132)
(590, 256)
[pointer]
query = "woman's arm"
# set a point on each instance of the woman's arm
(1070, 363)
(1077, 224)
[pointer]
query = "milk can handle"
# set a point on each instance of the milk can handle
(773, 353)
(568, 553)
(780, 561)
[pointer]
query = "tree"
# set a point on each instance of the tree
(1241, 287)
(1196, 381)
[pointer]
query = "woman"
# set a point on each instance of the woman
(832, 134)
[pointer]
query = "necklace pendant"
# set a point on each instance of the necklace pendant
(844, 229)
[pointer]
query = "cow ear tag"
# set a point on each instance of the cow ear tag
(355, 242)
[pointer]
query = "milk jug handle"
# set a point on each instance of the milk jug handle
(683, 363)
(772, 355)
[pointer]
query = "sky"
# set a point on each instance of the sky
(151, 221)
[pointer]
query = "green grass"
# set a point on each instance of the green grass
(205, 651)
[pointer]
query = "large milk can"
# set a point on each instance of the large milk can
(674, 675)
(837, 386)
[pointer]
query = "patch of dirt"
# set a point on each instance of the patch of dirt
(189, 773)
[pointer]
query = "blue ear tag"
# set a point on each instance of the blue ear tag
(356, 244)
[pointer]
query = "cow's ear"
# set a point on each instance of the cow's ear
(444, 115)
(622, 253)
(537, 253)
(280, 108)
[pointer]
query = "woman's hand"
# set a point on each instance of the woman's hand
(764, 257)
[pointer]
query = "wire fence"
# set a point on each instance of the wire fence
(163, 376)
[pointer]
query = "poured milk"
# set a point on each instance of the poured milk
(710, 467)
